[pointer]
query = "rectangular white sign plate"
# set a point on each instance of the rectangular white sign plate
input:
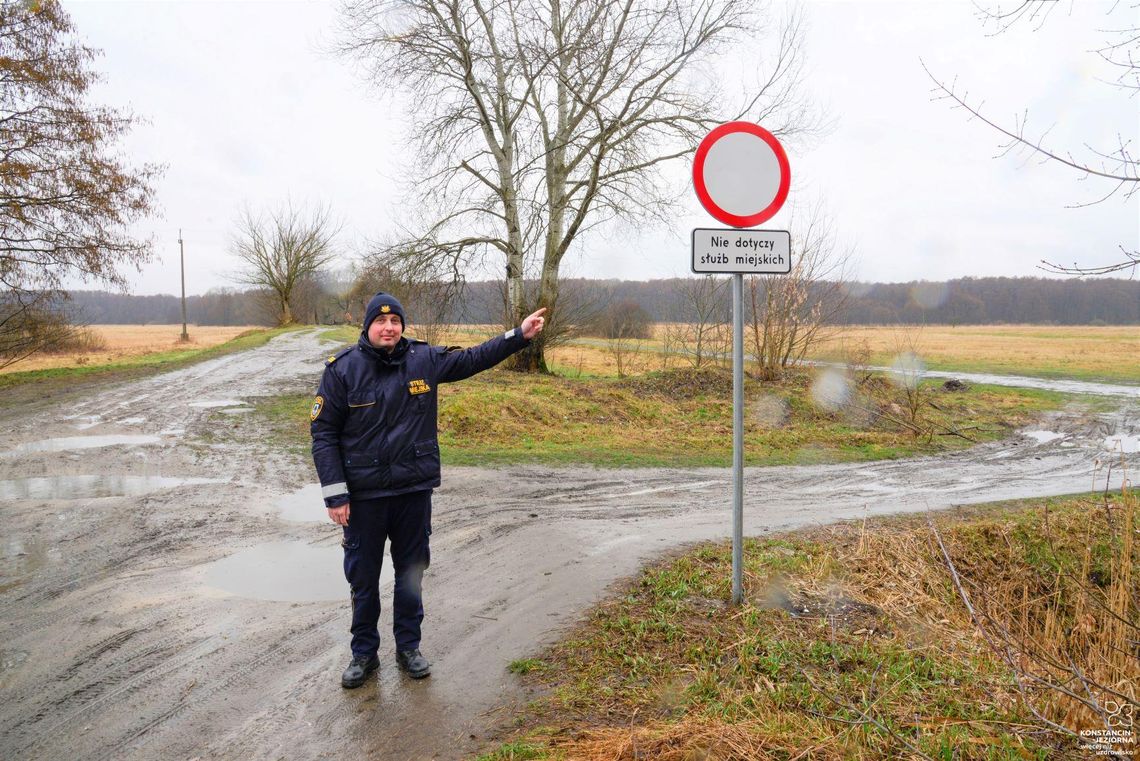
(742, 251)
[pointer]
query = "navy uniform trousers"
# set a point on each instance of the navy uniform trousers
(405, 520)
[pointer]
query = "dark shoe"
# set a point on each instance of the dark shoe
(358, 670)
(415, 665)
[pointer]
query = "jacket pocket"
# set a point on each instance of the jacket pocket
(419, 464)
(364, 474)
(362, 412)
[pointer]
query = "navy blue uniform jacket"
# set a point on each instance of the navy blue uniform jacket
(374, 418)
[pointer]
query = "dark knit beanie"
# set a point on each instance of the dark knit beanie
(383, 303)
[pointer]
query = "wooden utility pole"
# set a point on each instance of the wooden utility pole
(182, 267)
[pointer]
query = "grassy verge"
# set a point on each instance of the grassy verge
(853, 643)
(678, 418)
(129, 367)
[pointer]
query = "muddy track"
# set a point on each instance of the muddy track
(122, 637)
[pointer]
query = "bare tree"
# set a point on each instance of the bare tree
(791, 313)
(548, 118)
(699, 338)
(281, 250)
(1116, 167)
(66, 198)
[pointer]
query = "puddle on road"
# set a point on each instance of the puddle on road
(236, 410)
(1043, 437)
(92, 487)
(1123, 443)
(304, 505)
(68, 443)
(289, 572)
(210, 403)
(23, 556)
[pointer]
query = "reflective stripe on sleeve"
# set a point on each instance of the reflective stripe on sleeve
(334, 490)
(509, 334)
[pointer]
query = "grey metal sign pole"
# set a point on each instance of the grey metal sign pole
(741, 176)
(737, 439)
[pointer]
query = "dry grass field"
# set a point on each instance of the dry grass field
(1110, 353)
(127, 341)
(1086, 352)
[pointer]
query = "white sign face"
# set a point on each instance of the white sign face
(742, 174)
(744, 252)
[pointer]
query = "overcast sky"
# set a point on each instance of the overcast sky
(244, 106)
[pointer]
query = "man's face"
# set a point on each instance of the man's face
(385, 331)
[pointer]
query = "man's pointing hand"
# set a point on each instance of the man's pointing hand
(532, 325)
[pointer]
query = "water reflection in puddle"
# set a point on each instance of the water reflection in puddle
(82, 442)
(303, 505)
(1123, 443)
(23, 556)
(208, 403)
(91, 487)
(288, 572)
(1043, 437)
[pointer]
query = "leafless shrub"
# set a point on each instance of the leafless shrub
(705, 301)
(77, 339)
(1072, 640)
(790, 313)
(627, 353)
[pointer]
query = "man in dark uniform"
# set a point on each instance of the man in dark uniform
(375, 447)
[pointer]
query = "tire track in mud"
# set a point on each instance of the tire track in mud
(291, 642)
(119, 684)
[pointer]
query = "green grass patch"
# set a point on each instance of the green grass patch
(679, 418)
(852, 642)
(514, 751)
(525, 666)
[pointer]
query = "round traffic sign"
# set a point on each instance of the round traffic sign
(741, 174)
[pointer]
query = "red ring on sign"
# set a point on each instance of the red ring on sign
(706, 200)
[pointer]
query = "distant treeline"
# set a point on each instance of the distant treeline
(968, 301)
(221, 307)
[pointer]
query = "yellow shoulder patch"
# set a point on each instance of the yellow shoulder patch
(331, 359)
(318, 405)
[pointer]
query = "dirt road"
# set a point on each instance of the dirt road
(171, 590)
